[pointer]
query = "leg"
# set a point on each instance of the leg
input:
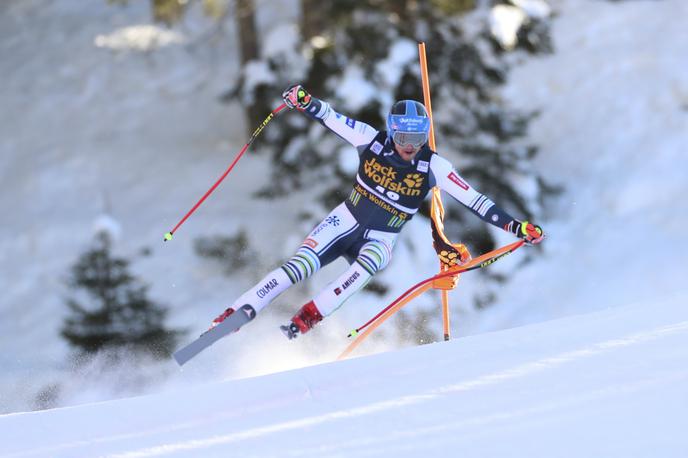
(322, 246)
(265, 291)
(373, 256)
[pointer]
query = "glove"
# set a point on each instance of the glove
(295, 96)
(531, 233)
(450, 254)
(454, 254)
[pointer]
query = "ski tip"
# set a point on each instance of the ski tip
(168, 236)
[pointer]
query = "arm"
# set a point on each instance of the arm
(357, 133)
(479, 204)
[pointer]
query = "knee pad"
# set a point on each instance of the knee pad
(374, 256)
(302, 265)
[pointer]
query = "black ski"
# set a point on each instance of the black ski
(231, 324)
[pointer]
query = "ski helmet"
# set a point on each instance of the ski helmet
(408, 123)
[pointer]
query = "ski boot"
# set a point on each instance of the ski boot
(223, 316)
(246, 308)
(303, 321)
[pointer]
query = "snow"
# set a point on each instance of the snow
(145, 37)
(87, 130)
(108, 225)
(505, 22)
(256, 73)
(539, 9)
(354, 89)
(390, 70)
(347, 160)
(282, 45)
(283, 39)
(612, 384)
(613, 131)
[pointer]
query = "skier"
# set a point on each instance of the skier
(396, 171)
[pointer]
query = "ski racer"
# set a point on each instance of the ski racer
(396, 171)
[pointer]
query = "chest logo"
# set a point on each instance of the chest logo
(385, 177)
(376, 148)
(413, 180)
(423, 166)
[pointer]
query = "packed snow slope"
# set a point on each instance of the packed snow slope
(88, 126)
(606, 384)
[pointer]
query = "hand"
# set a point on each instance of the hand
(451, 255)
(531, 233)
(454, 254)
(295, 96)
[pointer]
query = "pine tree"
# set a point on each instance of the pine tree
(113, 310)
(376, 40)
(361, 56)
(374, 45)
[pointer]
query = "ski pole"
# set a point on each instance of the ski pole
(477, 263)
(168, 236)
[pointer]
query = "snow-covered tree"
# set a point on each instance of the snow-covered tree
(110, 308)
(363, 56)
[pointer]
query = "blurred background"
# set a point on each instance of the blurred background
(116, 116)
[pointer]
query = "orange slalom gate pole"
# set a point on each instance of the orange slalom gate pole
(353, 345)
(421, 287)
(428, 104)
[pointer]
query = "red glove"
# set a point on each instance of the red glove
(531, 233)
(295, 96)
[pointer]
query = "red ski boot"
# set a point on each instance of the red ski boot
(303, 321)
(221, 318)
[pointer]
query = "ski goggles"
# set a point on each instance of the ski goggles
(415, 139)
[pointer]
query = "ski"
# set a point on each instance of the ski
(231, 324)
